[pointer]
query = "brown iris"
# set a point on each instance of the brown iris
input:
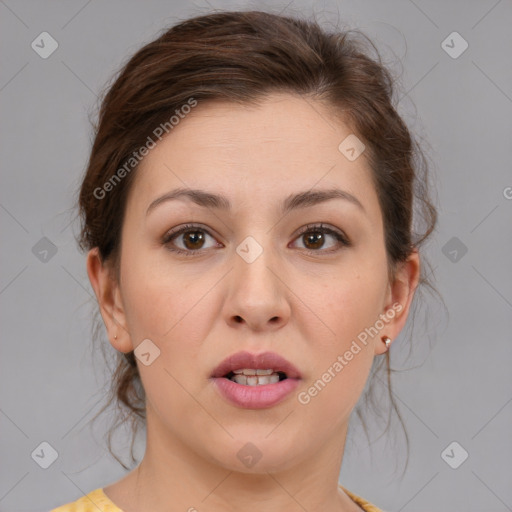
(315, 238)
(193, 239)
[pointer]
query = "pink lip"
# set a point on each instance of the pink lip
(263, 361)
(255, 397)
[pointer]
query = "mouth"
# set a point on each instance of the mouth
(255, 381)
(250, 377)
(265, 364)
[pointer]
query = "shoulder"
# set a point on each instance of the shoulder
(364, 504)
(97, 499)
(92, 502)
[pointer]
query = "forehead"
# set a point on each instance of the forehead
(285, 144)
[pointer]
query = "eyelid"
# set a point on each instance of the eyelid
(175, 232)
(327, 229)
(185, 227)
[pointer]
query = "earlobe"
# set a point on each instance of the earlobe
(400, 296)
(109, 300)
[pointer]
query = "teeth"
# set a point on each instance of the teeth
(248, 371)
(255, 380)
(264, 372)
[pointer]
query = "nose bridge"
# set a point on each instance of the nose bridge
(257, 295)
(252, 262)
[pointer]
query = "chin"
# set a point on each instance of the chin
(257, 454)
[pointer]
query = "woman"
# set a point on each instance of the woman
(247, 212)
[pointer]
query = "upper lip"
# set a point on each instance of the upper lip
(262, 361)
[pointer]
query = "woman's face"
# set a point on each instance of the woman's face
(252, 277)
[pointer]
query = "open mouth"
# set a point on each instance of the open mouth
(249, 377)
(255, 381)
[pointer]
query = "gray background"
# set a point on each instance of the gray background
(461, 107)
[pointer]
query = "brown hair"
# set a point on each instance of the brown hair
(241, 57)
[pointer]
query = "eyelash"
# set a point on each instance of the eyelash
(316, 228)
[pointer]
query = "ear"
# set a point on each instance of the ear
(399, 298)
(108, 294)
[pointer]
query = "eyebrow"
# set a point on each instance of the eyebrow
(304, 199)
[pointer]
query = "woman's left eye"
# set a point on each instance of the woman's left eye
(193, 239)
(314, 237)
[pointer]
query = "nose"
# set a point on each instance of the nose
(258, 298)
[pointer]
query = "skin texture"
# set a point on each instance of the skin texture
(306, 306)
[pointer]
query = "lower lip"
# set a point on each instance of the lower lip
(255, 397)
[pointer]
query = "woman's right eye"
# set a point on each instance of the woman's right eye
(192, 239)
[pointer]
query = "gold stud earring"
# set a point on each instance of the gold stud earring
(387, 341)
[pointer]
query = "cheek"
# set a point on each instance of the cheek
(176, 313)
(341, 362)
(330, 397)
(173, 309)
(343, 349)
(344, 307)
(159, 298)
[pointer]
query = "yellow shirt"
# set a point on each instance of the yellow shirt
(97, 501)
